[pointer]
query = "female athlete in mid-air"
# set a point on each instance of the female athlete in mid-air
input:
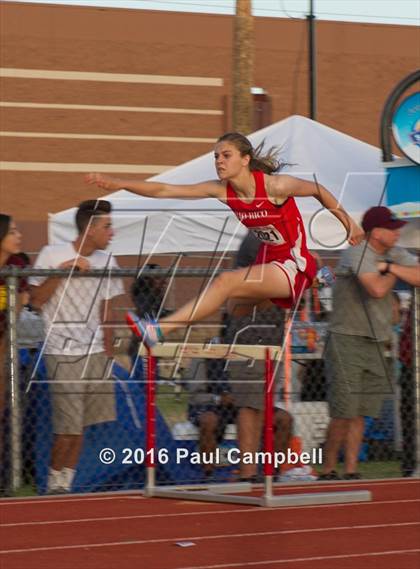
(265, 203)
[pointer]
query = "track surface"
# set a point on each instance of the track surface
(126, 531)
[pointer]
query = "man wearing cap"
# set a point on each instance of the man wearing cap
(360, 333)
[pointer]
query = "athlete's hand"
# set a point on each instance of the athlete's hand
(105, 182)
(356, 234)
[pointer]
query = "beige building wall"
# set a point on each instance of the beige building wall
(137, 92)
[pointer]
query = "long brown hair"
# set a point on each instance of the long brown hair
(267, 163)
(4, 226)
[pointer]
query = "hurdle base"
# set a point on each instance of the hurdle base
(221, 493)
(210, 493)
(316, 498)
(216, 488)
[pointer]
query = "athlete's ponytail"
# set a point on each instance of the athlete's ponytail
(267, 163)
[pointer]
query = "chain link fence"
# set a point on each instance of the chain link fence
(89, 411)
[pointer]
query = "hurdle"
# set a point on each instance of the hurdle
(225, 493)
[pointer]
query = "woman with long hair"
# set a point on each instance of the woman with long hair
(263, 202)
(10, 242)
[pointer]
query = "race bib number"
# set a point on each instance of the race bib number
(269, 234)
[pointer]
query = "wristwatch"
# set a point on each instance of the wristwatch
(385, 271)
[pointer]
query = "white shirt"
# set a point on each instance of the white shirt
(72, 315)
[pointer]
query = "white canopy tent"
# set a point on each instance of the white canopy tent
(349, 168)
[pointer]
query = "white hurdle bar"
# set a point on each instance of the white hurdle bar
(219, 492)
(238, 352)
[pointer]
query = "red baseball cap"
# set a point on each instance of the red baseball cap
(381, 216)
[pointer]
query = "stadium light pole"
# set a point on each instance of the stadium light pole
(312, 60)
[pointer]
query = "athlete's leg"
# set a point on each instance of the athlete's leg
(249, 424)
(258, 283)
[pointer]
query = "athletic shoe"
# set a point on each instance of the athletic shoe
(251, 479)
(407, 473)
(325, 276)
(147, 329)
(56, 491)
(333, 475)
(300, 473)
(352, 476)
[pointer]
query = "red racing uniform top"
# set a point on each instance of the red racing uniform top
(279, 227)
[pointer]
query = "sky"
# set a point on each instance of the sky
(402, 12)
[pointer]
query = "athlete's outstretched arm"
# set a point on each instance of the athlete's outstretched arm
(212, 189)
(286, 186)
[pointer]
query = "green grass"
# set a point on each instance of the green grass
(173, 406)
(24, 491)
(377, 469)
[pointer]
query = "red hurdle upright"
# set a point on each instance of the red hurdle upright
(150, 423)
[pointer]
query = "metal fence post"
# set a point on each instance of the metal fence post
(15, 477)
(415, 337)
